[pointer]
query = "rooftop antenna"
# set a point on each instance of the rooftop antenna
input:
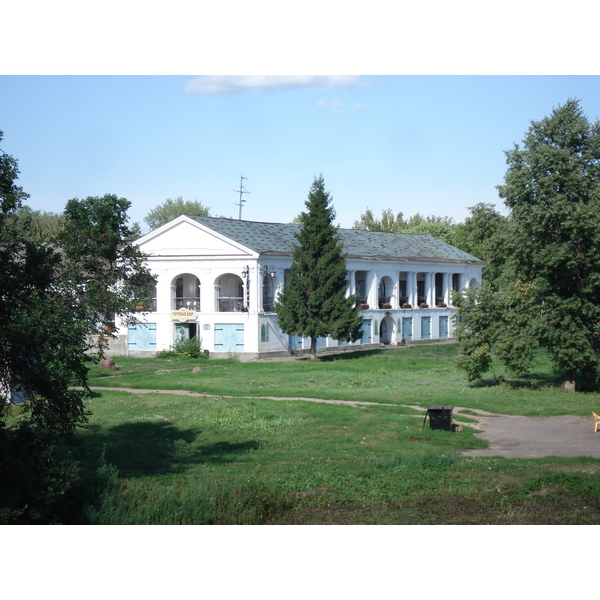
(242, 191)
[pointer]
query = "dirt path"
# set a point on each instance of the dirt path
(508, 436)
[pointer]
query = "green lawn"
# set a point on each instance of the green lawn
(234, 456)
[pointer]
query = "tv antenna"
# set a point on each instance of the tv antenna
(241, 192)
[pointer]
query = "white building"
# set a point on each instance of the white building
(217, 279)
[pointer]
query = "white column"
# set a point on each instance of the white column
(411, 288)
(430, 288)
(374, 291)
(446, 288)
(352, 285)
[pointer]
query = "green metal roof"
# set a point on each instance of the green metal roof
(279, 238)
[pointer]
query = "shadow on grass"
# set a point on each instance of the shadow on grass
(349, 355)
(538, 381)
(154, 448)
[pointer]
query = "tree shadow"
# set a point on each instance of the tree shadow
(348, 355)
(154, 448)
(536, 381)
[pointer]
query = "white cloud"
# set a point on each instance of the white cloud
(336, 106)
(233, 84)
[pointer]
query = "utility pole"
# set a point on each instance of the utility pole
(242, 191)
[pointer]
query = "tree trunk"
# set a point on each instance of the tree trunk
(313, 348)
(570, 382)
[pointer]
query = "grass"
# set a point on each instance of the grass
(234, 456)
(418, 375)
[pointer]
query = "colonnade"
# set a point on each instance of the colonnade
(406, 287)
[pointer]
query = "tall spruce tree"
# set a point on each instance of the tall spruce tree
(314, 302)
(549, 284)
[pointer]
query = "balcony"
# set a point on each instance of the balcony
(187, 303)
(230, 304)
(384, 302)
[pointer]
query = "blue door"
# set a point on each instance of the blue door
(443, 327)
(141, 336)
(425, 328)
(229, 337)
(407, 328)
(366, 336)
(295, 342)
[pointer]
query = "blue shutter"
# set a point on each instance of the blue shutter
(229, 337)
(443, 327)
(425, 328)
(366, 336)
(407, 328)
(141, 336)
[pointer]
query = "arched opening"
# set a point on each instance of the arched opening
(360, 279)
(185, 292)
(386, 330)
(421, 290)
(386, 289)
(229, 290)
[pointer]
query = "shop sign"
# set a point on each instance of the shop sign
(182, 315)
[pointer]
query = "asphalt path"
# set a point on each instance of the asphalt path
(534, 437)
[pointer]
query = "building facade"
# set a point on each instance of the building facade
(217, 280)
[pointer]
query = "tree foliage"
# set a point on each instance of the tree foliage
(171, 209)
(314, 303)
(481, 235)
(53, 298)
(32, 225)
(390, 222)
(547, 290)
(439, 227)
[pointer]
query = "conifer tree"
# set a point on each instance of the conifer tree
(314, 302)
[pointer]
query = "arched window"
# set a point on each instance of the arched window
(185, 291)
(386, 289)
(230, 293)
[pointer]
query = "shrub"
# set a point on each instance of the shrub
(190, 348)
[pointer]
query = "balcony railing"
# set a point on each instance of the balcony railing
(188, 303)
(384, 301)
(232, 304)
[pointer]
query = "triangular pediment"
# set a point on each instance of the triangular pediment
(184, 236)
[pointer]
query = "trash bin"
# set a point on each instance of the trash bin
(440, 417)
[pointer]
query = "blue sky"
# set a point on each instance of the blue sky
(428, 144)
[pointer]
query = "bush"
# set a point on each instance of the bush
(190, 348)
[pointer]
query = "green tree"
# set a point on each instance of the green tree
(171, 209)
(481, 233)
(32, 225)
(441, 228)
(390, 222)
(313, 302)
(547, 292)
(53, 298)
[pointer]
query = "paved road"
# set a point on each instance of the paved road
(536, 437)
